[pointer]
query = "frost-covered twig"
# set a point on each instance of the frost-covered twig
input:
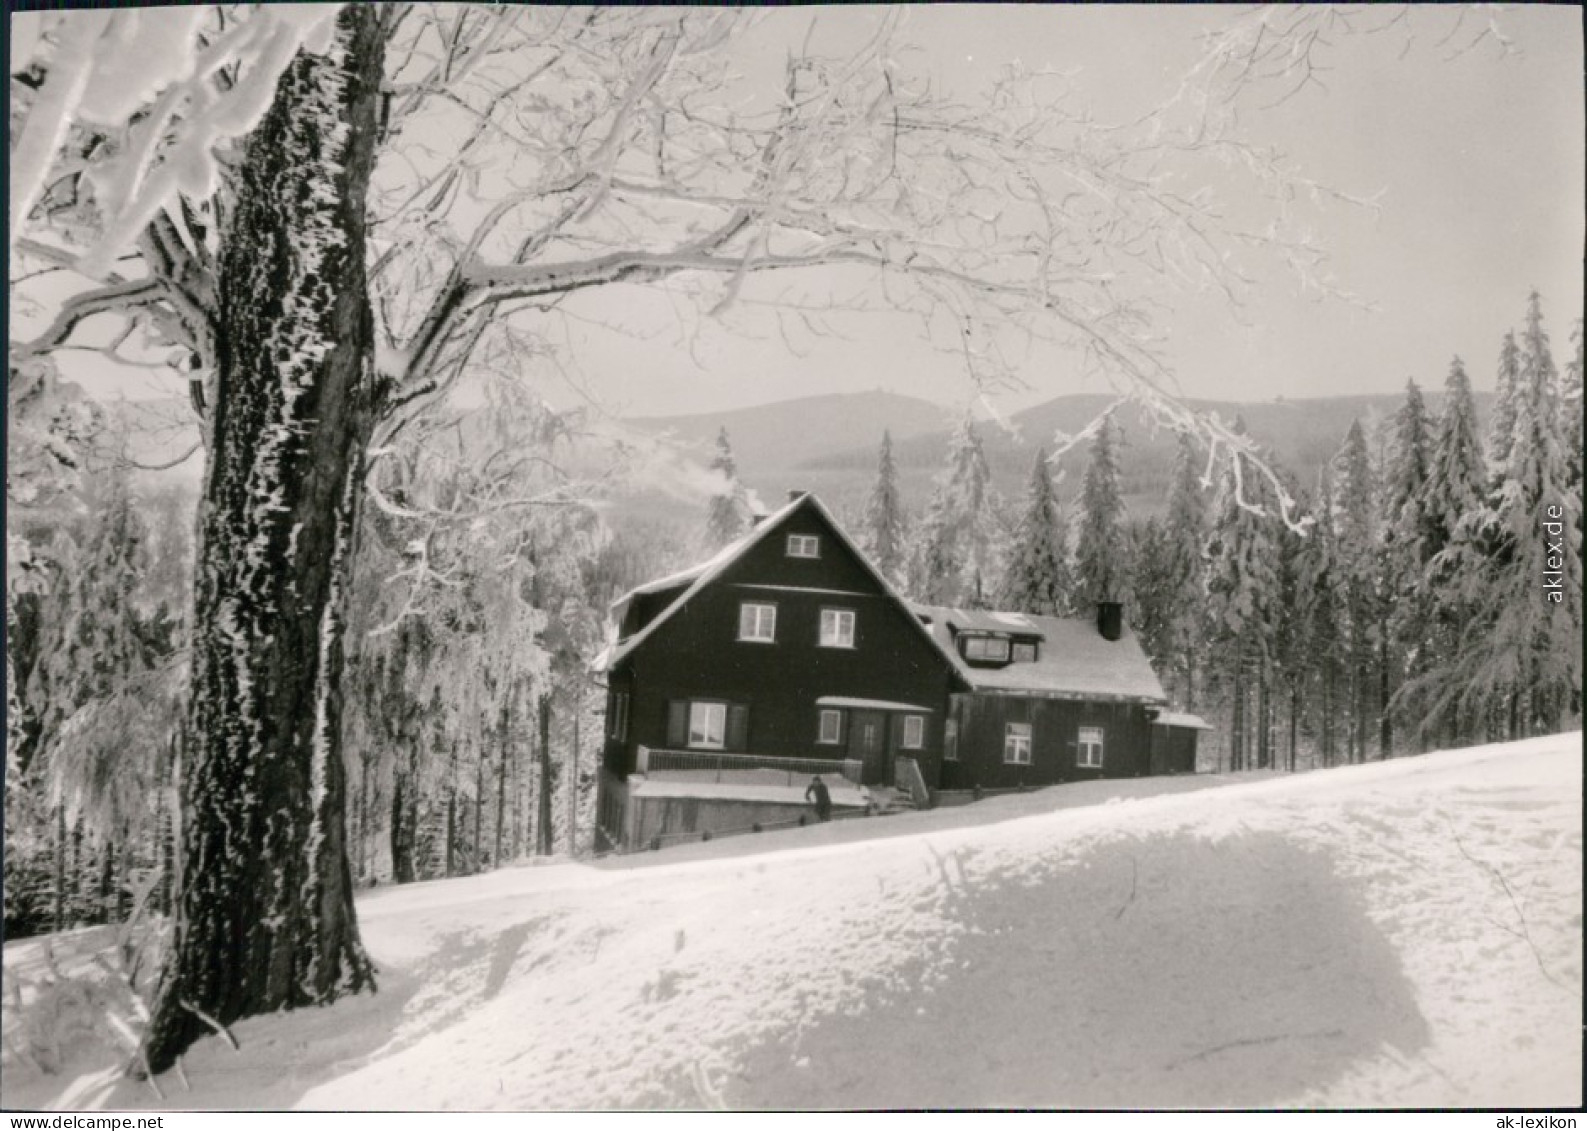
(1525, 932)
(224, 1032)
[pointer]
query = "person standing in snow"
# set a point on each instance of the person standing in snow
(818, 792)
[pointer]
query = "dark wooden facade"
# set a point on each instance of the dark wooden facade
(1174, 748)
(984, 754)
(690, 650)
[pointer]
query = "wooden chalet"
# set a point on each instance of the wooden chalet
(1051, 699)
(788, 654)
(786, 651)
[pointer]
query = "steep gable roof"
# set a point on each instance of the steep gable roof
(708, 571)
(1074, 660)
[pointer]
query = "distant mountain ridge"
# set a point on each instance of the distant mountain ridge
(829, 444)
(792, 433)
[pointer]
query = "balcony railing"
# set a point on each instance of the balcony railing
(711, 765)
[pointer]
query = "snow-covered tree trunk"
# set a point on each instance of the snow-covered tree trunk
(265, 919)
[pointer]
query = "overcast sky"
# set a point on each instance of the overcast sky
(1478, 159)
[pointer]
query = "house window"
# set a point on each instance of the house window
(950, 740)
(831, 731)
(707, 725)
(619, 716)
(914, 732)
(1024, 653)
(986, 648)
(757, 622)
(837, 628)
(1016, 744)
(804, 546)
(1090, 748)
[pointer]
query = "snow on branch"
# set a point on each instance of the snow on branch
(997, 223)
(148, 81)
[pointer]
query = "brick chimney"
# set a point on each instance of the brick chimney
(1110, 619)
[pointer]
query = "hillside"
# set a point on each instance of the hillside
(1399, 934)
(829, 444)
(770, 439)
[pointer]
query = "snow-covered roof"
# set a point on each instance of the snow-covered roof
(708, 571)
(982, 620)
(1181, 719)
(1074, 660)
(870, 704)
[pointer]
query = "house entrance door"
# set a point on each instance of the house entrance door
(868, 744)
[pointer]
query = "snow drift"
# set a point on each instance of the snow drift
(1399, 934)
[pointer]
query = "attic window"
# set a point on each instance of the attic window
(1024, 652)
(804, 546)
(988, 648)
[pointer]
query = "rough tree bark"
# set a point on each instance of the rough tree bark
(544, 845)
(265, 916)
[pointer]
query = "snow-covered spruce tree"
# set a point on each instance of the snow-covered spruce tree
(1152, 568)
(1534, 595)
(1454, 503)
(1410, 539)
(953, 559)
(1101, 550)
(107, 696)
(1320, 593)
(265, 920)
(1036, 578)
(1241, 592)
(882, 532)
(1456, 472)
(1184, 539)
(1501, 429)
(1356, 531)
(727, 514)
(1451, 496)
(1509, 582)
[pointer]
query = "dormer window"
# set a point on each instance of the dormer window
(986, 649)
(804, 546)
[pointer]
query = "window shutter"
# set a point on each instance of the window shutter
(737, 726)
(678, 723)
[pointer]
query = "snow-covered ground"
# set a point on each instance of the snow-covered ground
(1404, 933)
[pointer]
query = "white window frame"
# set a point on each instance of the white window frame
(804, 545)
(1088, 748)
(707, 711)
(981, 643)
(834, 735)
(950, 740)
(914, 732)
(755, 616)
(839, 618)
(1017, 742)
